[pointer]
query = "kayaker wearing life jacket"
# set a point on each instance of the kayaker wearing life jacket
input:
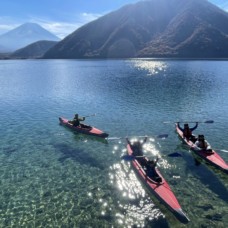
(151, 171)
(137, 147)
(76, 121)
(187, 132)
(202, 144)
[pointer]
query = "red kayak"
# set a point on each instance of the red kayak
(84, 129)
(157, 185)
(212, 157)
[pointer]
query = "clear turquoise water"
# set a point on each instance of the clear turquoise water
(51, 177)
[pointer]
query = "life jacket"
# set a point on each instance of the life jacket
(187, 133)
(137, 149)
(203, 144)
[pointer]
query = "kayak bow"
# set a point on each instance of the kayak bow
(83, 128)
(212, 157)
(160, 189)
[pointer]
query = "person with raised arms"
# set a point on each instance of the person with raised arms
(187, 131)
(137, 147)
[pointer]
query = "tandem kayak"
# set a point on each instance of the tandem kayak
(84, 129)
(212, 157)
(160, 189)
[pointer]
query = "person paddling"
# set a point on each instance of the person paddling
(187, 131)
(151, 170)
(76, 121)
(202, 144)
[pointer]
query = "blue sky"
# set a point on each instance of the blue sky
(61, 17)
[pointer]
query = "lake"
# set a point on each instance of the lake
(52, 177)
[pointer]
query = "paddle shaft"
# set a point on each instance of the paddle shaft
(162, 136)
(90, 115)
(207, 121)
(131, 157)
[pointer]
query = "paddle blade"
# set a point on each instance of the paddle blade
(114, 138)
(209, 121)
(175, 154)
(127, 157)
(226, 151)
(163, 136)
(90, 115)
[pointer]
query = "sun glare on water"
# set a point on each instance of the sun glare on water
(135, 205)
(153, 67)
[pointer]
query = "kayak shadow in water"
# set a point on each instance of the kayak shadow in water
(204, 172)
(78, 155)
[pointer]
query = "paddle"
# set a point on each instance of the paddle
(207, 121)
(128, 157)
(225, 151)
(162, 136)
(218, 150)
(90, 115)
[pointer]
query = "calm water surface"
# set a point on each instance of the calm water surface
(51, 177)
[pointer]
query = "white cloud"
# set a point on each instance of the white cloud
(62, 28)
(87, 17)
(59, 28)
(224, 6)
(7, 24)
(5, 28)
